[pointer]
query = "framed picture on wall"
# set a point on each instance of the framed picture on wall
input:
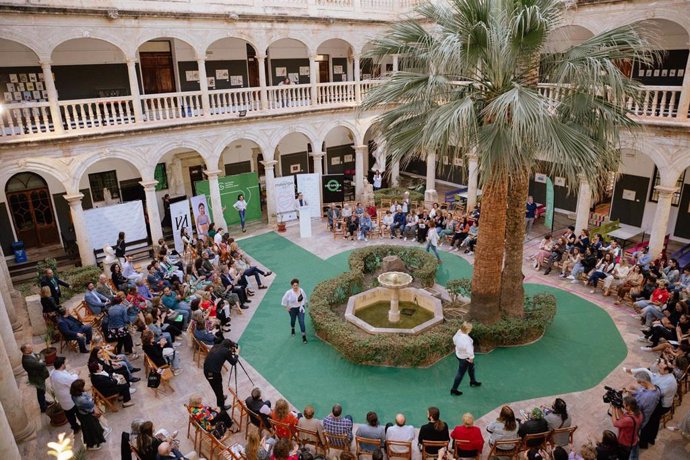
(304, 70)
(23, 78)
(10, 87)
(664, 72)
(32, 77)
(337, 69)
(44, 94)
(36, 94)
(656, 72)
(648, 73)
(17, 96)
(640, 72)
(348, 158)
(294, 78)
(26, 95)
(559, 181)
(335, 161)
(9, 97)
(211, 81)
(14, 78)
(21, 87)
(191, 75)
(41, 77)
(222, 74)
(672, 73)
(295, 168)
(681, 72)
(30, 86)
(457, 161)
(281, 71)
(236, 80)
(39, 85)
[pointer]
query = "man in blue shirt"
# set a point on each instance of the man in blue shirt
(96, 301)
(174, 302)
(73, 329)
(530, 214)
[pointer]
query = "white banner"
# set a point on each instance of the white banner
(180, 218)
(309, 185)
(104, 224)
(285, 198)
(202, 215)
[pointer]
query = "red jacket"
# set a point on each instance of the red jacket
(472, 434)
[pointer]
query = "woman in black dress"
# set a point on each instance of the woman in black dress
(92, 431)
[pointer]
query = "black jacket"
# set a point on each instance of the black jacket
(54, 287)
(216, 359)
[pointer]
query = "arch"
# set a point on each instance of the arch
(85, 56)
(336, 39)
(357, 137)
(280, 134)
(53, 168)
(133, 157)
(664, 20)
(658, 153)
(233, 137)
(18, 47)
(303, 158)
(100, 36)
(243, 155)
(203, 149)
(198, 50)
(25, 181)
(566, 36)
(237, 36)
(292, 37)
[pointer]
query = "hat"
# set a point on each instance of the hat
(536, 414)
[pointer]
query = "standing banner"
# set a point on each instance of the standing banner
(548, 219)
(104, 224)
(231, 186)
(202, 215)
(180, 218)
(333, 188)
(285, 198)
(310, 188)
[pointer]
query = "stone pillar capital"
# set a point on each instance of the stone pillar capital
(261, 57)
(665, 191)
(472, 157)
(317, 154)
(149, 184)
(45, 64)
(269, 164)
(75, 199)
(213, 174)
(361, 148)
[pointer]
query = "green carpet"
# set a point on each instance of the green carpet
(578, 351)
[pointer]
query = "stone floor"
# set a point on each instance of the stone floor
(167, 411)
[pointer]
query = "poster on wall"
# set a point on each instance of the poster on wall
(222, 74)
(180, 218)
(559, 181)
(211, 82)
(304, 70)
(191, 75)
(309, 185)
(294, 78)
(285, 198)
(281, 71)
(237, 80)
(337, 69)
(103, 224)
(629, 195)
(541, 178)
(13, 78)
(333, 188)
(202, 214)
(231, 186)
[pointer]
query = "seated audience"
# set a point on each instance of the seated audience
(259, 407)
(95, 301)
(161, 353)
(503, 428)
(372, 430)
(310, 423)
(536, 424)
(400, 433)
(336, 423)
(110, 384)
(557, 417)
(469, 437)
(435, 430)
(206, 416)
(73, 329)
(281, 414)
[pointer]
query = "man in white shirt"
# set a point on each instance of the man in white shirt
(464, 351)
(400, 432)
(218, 237)
(61, 381)
(129, 272)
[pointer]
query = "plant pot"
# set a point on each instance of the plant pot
(49, 354)
(56, 414)
(281, 227)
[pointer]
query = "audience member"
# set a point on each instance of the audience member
(73, 329)
(93, 433)
(336, 423)
(400, 433)
(468, 436)
(503, 428)
(435, 430)
(557, 417)
(372, 430)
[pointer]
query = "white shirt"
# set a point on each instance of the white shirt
(432, 237)
(667, 383)
(400, 433)
(61, 381)
(290, 299)
(464, 346)
(240, 205)
(377, 180)
(218, 238)
(128, 270)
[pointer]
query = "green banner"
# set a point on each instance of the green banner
(548, 219)
(230, 187)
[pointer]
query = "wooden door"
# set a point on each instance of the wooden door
(324, 75)
(252, 67)
(196, 173)
(33, 216)
(157, 72)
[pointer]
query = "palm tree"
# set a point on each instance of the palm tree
(470, 84)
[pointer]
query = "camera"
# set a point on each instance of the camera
(613, 397)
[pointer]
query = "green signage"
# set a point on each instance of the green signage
(548, 219)
(230, 187)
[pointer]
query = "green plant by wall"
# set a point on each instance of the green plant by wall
(76, 277)
(396, 193)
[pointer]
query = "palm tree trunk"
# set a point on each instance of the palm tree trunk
(488, 261)
(512, 291)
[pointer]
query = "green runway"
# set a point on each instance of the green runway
(578, 351)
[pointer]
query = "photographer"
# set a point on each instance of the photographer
(226, 350)
(628, 420)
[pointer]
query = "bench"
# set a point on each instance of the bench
(139, 250)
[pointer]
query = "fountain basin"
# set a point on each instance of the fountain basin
(381, 295)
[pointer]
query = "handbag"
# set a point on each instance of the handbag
(154, 380)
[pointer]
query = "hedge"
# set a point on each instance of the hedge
(76, 277)
(421, 264)
(396, 193)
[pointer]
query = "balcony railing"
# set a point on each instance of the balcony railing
(34, 120)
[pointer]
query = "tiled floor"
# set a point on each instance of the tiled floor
(587, 409)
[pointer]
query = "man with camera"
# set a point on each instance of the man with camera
(226, 350)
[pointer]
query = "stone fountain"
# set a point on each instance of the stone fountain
(394, 281)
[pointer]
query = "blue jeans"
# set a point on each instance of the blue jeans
(650, 313)
(463, 366)
(185, 310)
(296, 314)
(242, 213)
(431, 246)
(635, 453)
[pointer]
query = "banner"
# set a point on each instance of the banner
(202, 214)
(104, 224)
(310, 188)
(180, 218)
(285, 198)
(548, 219)
(246, 184)
(333, 188)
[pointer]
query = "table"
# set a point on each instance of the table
(626, 233)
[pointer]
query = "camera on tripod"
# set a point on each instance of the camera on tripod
(613, 397)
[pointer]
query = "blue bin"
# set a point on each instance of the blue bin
(19, 252)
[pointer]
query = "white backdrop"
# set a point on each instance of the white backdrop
(103, 224)
(179, 215)
(285, 198)
(309, 185)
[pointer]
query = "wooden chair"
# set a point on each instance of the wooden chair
(463, 444)
(239, 416)
(199, 349)
(338, 228)
(310, 438)
(72, 345)
(108, 401)
(192, 423)
(84, 313)
(361, 444)
(561, 431)
(438, 445)
(283, 427)
(506, 448)
(135, 452)
(150, 366)
(251, 416)
(535, 440)
(405, 449)
(336, 442)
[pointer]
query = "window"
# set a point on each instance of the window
(654, 194)
(161, 175)
(102, 180)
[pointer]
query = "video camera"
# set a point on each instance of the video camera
(613, 397)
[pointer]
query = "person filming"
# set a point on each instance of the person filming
(227, 350)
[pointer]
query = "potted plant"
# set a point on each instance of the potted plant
(49, 352)
(281, 224)
(55, 412)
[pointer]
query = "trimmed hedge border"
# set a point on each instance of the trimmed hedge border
(403, 350)
(396, 193)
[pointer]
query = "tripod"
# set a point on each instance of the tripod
(233, 370)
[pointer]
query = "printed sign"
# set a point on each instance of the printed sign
(333, 189)
(180, 218)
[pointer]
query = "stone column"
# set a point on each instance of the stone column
(684, 102)
(216, 204)
(262, 82)
(661, 215)
(85, 250)
(11, 399)
(472, 180)
(430, 195)
(395, 173)
(360, 151)
(52, 97)
(395, 63)
(176, 177)
(584, 203)
(152, 210)
(318, 161)
(8, 339)
(313, 79)
(357, 78)
(203, 85)
(8, 446)
(134, 89)
(8, 291)
(270, 190)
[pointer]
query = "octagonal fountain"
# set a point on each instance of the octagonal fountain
(394, 307)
